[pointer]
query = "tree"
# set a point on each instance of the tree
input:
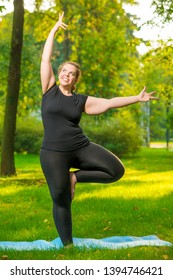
(164, 9)
(7, 154)
(29, 97)
(158, 73)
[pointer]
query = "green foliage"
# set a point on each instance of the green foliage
(29, 134)
(170, 118)
(164, 9)
(99, 37)
(158, 73)
(119, 133)
(2, 7)
(105, 47)
(30, 88)
(5, 33)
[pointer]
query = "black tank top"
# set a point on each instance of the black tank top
(61, 115)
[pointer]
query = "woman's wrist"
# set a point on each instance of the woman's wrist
(138, 98)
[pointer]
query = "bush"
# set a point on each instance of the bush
(120, 133)
(29, 134)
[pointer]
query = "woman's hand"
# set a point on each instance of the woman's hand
(144, 96)
(60, 23)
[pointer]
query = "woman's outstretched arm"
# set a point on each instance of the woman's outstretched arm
(46, 71)
(96, 106)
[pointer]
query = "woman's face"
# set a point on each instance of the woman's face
(67, 75)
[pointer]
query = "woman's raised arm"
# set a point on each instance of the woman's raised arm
(46, 71)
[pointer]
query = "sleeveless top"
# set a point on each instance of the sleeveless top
(61, 115)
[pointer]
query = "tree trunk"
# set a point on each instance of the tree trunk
(7, 154)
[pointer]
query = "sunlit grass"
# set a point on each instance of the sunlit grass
(139, 204)
(135, 183)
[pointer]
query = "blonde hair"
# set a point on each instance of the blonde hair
(78, 71)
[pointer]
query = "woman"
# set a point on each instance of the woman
(64, 144)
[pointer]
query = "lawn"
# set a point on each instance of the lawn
(139, 204)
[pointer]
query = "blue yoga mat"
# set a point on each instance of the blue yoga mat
(114, 242)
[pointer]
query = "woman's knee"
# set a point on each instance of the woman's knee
(60, 196)
(117, 171)
(120, 173)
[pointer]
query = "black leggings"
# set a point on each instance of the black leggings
(95, 164)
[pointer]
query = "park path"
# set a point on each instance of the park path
(160, 145)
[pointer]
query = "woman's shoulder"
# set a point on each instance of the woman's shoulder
(81, 96)
(52, 89)
(80, 99)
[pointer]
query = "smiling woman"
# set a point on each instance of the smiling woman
(69, 72)
(65, 146)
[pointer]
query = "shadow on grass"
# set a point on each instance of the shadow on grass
(32, 181)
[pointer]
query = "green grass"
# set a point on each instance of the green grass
(139, 204)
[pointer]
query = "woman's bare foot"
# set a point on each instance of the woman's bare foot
(73, 182)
